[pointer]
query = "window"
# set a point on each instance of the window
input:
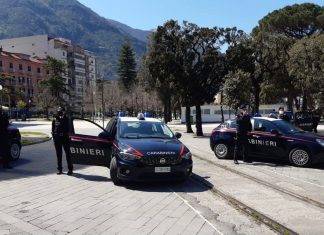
(79, 130)
(193, 112)
(29, 69)
(23, 80)
(63, 53)
(11, 65)
(20, 67)
(38, 70)
(139, 129)
(263, 125)
(207, 111)
(0, 63)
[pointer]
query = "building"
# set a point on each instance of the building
(81, 64)
(211, 113)
(21, 75)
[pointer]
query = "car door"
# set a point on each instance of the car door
(265, 143)
(90, 144)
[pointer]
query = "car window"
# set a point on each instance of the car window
(286, 127)
(83, 127)
(139, 129)
(263, 125)
(231, 124)
(109, 125)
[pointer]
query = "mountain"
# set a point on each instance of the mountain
(141, 35)
(72, 20)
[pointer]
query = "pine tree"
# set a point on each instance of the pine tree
(127, 67)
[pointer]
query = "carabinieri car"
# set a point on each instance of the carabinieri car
(14, 143)
(270, 138)
(135, 149)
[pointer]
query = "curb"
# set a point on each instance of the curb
(272, 224)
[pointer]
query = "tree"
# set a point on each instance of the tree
(162, 65)
(296, 21)
(281, 30)
(306, 64)
(203, 67)
(237, 89)
(127, 67)
(53, 89)
(21, 105)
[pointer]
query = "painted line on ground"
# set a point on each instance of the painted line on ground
(196, 211)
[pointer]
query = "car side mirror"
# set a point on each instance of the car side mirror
(178, 135)
(274, 132)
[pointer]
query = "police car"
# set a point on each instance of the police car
(270, 138)
(14, 142)
(134, 148)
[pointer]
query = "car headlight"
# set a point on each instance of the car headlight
(128, 156)
(320, 141)
(187, 156)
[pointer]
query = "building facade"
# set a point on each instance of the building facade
(81, 71)
(20, 74)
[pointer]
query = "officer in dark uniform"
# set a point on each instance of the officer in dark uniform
(4, 140)
(316, 119)
(60, 132)
(243, 127)
(282, 115)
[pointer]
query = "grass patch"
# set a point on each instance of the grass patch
(32, 133)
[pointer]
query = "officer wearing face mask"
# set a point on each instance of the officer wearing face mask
(60, 132)
(244, 125)
(282, 115)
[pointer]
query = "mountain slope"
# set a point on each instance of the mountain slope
(70, 19)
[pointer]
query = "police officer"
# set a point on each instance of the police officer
(243, 127)
(282, 115)
(273, 114)
(60, 132)
(316, 119)
(4, 140)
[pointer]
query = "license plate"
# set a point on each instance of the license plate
(162, 169)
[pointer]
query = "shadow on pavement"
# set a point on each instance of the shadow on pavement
(36, 160)
(168, 186)
(96, 178)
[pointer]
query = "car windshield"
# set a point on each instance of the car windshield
(142, 129)
(286, 127)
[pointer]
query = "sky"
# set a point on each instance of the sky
(148, 14)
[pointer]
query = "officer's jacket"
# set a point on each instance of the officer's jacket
(60, 127)
(243, 124)
(4, 123)
(284, 117)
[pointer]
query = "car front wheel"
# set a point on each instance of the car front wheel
(221, 151)
(15, 151)
(114, 172)
(300, 157)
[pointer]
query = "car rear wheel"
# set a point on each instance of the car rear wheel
(114, 172)
(15, 151)
(221, 151)
(300, 157)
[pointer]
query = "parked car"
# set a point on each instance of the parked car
(135, 149)
(270, 138)
(15, 142)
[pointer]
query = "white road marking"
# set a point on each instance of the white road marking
(197, 212)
